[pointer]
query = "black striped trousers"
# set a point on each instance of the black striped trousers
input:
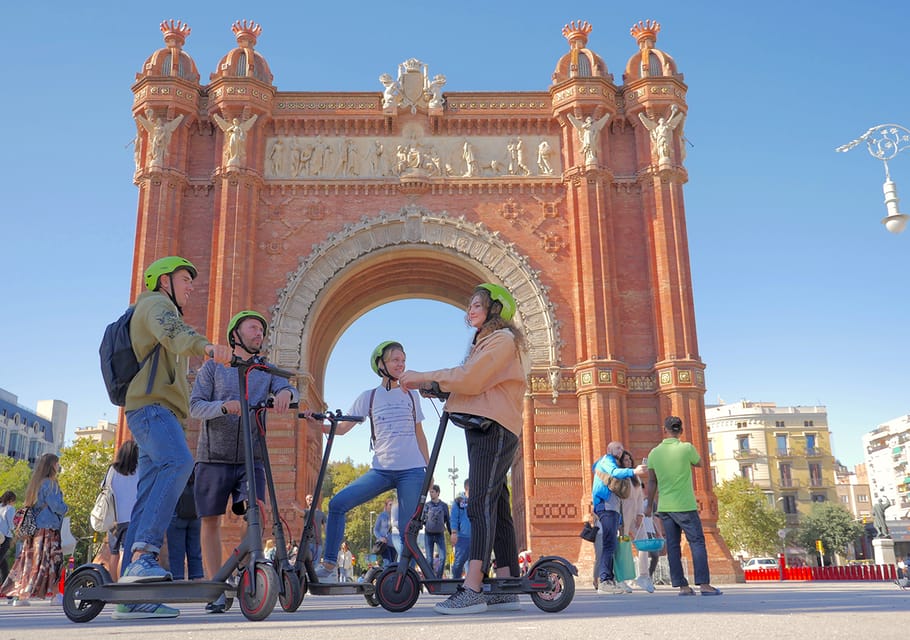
(490, 455)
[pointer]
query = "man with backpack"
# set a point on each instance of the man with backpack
(435, 526)
(157, 402)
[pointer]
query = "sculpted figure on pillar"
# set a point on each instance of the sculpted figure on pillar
(235, 138)
(662, 132)
(588, 134)
(159, 131)
(543, 158)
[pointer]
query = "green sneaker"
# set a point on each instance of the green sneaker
(143, 610)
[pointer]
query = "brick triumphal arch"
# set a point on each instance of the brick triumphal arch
(321, 206)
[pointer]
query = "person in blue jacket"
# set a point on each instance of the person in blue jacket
(461, 531)
(607, 509)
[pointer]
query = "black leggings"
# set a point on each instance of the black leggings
(4, 565)
(490, 455)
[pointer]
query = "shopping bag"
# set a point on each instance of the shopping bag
(623, 563)
(646, 539)
(67, 539)
(103, 516)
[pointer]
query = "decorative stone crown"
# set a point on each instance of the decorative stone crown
(175, 32)
(645, 31)
(246, 31)
(576, 32)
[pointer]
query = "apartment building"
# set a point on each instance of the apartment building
(887, 457)
(26, 434)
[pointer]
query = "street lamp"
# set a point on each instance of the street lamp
(885, 141)
(453, 476)
(372, 513)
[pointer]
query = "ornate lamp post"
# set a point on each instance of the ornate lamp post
(885, 141)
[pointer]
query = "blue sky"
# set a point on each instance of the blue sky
(801, 295)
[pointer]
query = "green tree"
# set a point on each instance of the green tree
(357, 531)
(746, 520)
(831, 524)
(84, 464)
(14, 476)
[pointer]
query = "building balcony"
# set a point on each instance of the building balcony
(789, 483)
(746, 454)
(814, 452)
(816, 483)
(784, 452)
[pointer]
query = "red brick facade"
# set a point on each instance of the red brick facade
(344, 201)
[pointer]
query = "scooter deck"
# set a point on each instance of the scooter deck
(161, 591)
(340, 588)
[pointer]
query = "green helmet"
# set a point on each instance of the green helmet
(502, 296)
(240, 317)
(379, 351)
(165, 266)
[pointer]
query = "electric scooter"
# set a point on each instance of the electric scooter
(90, 586)
(550, 581)
(305, 566)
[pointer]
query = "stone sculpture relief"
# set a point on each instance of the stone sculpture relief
(235, 138)
(159, 131)
(662, 133)
(413, 88)
(588, 133)
(305, 157)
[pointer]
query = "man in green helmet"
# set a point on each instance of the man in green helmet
(220, 468)
(157, 403)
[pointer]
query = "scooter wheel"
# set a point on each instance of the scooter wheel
(258, 605)
(292, 594)
(397, 595)
(370, 578)
(76, 609)
(561, 586)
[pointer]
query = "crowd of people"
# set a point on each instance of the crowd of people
(170, 501)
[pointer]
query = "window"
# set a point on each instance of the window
(740, 425)
(781, 439)
(743, 442)
(779, 424)
(2, 440)
(815, 474)
(819, 497)
(746, 471)
(584, 66)
(710, 447)
(862, 498)
(845, 499)
(808, 423)
(811, 442)
(788, 504)
(786, 475)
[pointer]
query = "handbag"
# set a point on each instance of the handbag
(623, 562)
(24, 522)
(588, 532)
(470, 422)
(622, 487)
(103, 516)
(67, 539)
(647, 539)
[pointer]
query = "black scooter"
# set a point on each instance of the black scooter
(305, 566)
(90, 586)
(550, 581)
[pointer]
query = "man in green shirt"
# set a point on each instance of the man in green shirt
(670, 474)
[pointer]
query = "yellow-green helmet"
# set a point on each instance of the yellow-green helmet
(165, 266)
(240, 317)
(502, 296)
(379, 351)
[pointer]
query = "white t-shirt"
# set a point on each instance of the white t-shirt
(124, 493)
(396, 447)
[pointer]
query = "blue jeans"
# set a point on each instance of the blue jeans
(374, 482)
(437, 540)
(462, 551)
(689, 523)
(184, 545)
(165, 464)
(609, 525)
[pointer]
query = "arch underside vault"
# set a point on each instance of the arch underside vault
(413, 253)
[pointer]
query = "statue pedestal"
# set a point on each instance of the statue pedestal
(883, 548)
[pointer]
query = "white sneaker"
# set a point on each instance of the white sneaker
(626, 587)
(644, 582)
(609, 588)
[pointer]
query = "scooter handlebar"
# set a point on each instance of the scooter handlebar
(260, 363)
(433, 391)
(332, 417)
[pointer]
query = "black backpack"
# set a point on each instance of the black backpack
(118, 360)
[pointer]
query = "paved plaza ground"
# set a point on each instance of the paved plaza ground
(765, 611)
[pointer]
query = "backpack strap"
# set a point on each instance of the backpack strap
(154, 352)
